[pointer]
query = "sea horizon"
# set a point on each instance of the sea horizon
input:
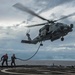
(45, 62)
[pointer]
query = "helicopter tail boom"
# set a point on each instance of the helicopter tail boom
(27, 41)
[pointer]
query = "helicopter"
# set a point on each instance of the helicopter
(51, 30)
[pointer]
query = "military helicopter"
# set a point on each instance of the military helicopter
(51, 30)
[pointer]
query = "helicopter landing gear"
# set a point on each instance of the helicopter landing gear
(41, 44)
(62, 39)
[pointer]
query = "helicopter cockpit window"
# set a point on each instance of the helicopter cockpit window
(57, 25)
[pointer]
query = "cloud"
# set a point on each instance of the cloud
(7, 12)
(60, 10)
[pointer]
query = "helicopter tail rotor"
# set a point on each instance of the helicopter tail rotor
(28, 35)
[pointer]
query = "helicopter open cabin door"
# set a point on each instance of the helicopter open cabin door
(44, 31)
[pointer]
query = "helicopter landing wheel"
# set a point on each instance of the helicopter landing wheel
(41, 44)
(62, 39)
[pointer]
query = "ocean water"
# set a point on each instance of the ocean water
(46, 62)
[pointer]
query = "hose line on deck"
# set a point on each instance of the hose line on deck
(31, 56)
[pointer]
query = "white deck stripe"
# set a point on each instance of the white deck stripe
(5, 71)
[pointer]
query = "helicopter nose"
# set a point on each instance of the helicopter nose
(71, 25)
(66, 28)
(69, 28)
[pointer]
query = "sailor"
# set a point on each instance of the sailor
(4, 58)
(13, 60)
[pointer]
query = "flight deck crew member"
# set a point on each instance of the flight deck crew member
(4, 58)
(13, 60)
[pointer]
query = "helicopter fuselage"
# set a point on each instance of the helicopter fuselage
(52, 31)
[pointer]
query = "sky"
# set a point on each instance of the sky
(13, 30)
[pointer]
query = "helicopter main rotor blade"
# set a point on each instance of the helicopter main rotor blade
(65, 17)
(36, 25)
(25, 9)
